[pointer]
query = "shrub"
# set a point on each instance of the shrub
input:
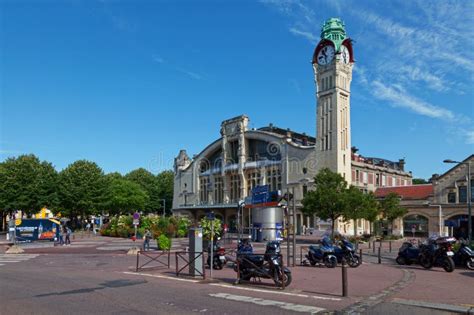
(206, 228)
(163, 242)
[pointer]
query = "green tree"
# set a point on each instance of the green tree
(419, 181)
(125, 197)
(328, 200)
(81, 189)
(150, 184)
(165, 184)
(371, 209)
(27, 184)
(391, 209)
(355, 205)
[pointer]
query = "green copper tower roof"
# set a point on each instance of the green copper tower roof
(333, 29)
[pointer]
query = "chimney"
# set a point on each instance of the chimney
(305, 139)
(288, 134)
(401, 164)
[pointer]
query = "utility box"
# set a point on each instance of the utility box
(195, 247)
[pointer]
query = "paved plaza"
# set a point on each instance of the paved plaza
(95, 274)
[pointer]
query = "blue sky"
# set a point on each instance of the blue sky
(129, 83)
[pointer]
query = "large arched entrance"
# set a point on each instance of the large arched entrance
(459, 225)
(415, 225)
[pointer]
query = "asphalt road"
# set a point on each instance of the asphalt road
(95, 277)
(91, 284)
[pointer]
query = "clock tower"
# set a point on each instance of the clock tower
(332, 64)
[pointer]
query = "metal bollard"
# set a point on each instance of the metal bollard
(344, 278)
(360, 256)
(390, 246)
(369, 244)
(380, 258)
(373, 247)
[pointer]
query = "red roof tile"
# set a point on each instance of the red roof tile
(407, 192)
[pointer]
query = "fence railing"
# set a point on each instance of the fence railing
(149, 258)
(184, 256)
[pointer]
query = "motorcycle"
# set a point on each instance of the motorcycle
(408, 254)
(346, 251)
(322, 254)
(438, 252)
(464, 256)
(219, 260)
(267, 266)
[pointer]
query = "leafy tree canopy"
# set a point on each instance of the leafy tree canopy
(81, 189)
(125, 197)
(150, 184)
(328, 200)
(390, 207)
(27, 184)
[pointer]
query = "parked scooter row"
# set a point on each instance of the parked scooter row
(436, 252)
(329, 255)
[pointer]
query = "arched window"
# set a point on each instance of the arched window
(415, 225)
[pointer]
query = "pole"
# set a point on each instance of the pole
(164, 206)
(469, 202)
(294, 227)
(288, 227)
(440, 214)
(344, 278)
(211, 260)
(379, 256)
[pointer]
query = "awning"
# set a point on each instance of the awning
(55, 221)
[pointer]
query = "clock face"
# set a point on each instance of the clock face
(345, 56)
(325, 55)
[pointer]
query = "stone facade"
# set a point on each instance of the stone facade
(440, 209)
(223, 174)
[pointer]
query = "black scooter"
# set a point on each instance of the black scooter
(408, 254)
(267, 266)
(464, 256)
(438, 252)
(219, 259)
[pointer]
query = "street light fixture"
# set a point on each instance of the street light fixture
(469, 195)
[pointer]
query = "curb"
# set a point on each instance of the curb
(436, 306)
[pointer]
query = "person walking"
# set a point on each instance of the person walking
(61, 236)
(146, 240)
(68, 233)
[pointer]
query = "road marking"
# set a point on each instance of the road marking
(160, 276)
(437, 306)
(286, 306)
(15, 258)
(275, 292)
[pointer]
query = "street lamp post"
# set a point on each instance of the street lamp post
(469, 196)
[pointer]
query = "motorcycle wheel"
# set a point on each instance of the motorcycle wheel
(425, 262)
(330, 262)
(287, 279)
(401, 260)
(218, 265)
(245, 277)
(354, 261)
(448, 264)
(470, 264)
(312, 263)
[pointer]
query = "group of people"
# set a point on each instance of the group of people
(65, 235)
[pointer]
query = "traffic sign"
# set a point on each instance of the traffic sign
(136, 216)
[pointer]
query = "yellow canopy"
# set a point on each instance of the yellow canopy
(55, 221)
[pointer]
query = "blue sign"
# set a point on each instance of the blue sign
(211, 216)
(260, 194)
